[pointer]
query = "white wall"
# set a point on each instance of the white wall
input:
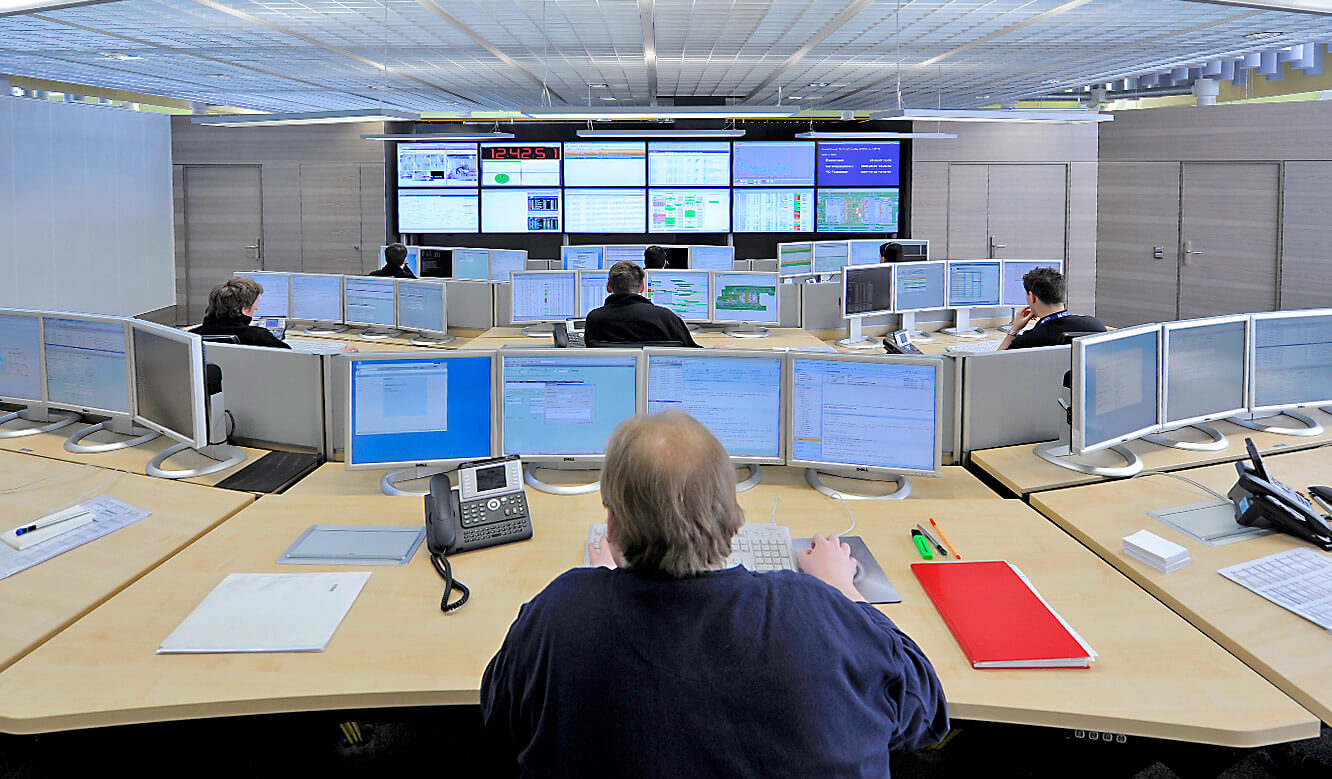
(85, 208)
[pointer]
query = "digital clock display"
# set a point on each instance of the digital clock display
(520, 152)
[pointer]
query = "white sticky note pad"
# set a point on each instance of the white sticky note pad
(1155, 545)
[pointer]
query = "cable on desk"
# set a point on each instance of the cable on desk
(849, 514)
(445, 572)
(1202, 487)
(26, 485)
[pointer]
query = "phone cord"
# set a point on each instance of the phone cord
(445, 572)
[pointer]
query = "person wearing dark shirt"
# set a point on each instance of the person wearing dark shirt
(1046, 293)
(231, 305)
(672, 664)
(890, 252)
(654, 258)
(395, 263)
(629, 318)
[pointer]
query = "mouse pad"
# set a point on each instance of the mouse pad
(870, 579)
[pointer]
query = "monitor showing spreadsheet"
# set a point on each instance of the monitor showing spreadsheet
(736, 394)
(1203, 362)
(711, 257)
(316, 297)
(422, 306)
(773, 211)
(1115, 387)
(973, 283)
(1015, 294)
(275, 300)
(831, 256)
(859, 163)
(438, 211)
(773, 164)
(745, 296)
(605, 210)
(865, 252)
(505, 261)
(686, 292)
(520, 164)
(689, 163)
(581, 257)
(857, 211)
(471, 264)
(591, 290)
(20, 356)
(520, 210)
(795, 259)
(169, 382)
(875, 414)
(605, 164)
(620, 252)
(689, 210)
(412, 261)
(562, 404)
(1291, 364)
(867, 290)
(449, 164)
(368, 300)
(405, 411)
(544, 295)
(920, 286)
(87, 363)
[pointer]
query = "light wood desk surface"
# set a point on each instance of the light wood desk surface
(1288, 650)
(498, 337)
(1157, 676)
(1019, 469)
(396, 344)
(38, 602)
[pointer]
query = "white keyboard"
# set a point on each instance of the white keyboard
(976, 347)
(1298, 579)
(759, 546)
(315, 345)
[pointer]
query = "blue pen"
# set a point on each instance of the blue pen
(48, 523)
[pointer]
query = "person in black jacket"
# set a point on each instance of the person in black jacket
(231, 304)
(654, 258)
(890, 252)
(1046, 293)
(629, 318)
(395, 263)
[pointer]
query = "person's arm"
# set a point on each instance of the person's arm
(912, 687)
(1020, 320)
(266, 338)
(831, 562)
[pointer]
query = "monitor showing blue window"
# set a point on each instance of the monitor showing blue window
(619, 252)
(316, 297)
(421, 305)
(566, 404)
(920, 286)
(738, 398)
(973, 283)
(275, 300)
(506, 261)
(419, 410)
(591, 290)
(1204, 369)
(1292, 359)
(86, 364)
(471, 264)
(1015, 294)
(368, 300)
(831, 256)
(773, 164)
(859, 163)
(1116, 387)
(865, 252)
(544, 296)
(711, 257)
(20, 357)
(581, 257)
(683, 291)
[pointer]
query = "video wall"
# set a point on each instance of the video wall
(645, 187)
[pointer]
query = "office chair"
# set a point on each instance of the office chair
(221, 339)
(630, 344)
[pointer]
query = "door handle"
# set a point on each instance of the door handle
(994, 244)
(1188, 250)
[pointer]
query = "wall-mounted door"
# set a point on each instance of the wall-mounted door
(331, 218)
(1229, 213)
(1137, 242)
(224, 228)
(1013, 211)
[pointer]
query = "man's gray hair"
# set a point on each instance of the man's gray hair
(670, 488)
(625, 276)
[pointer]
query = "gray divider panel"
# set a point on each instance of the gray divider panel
(534, 263)
(470, 304)
(994, 414)
(767, 265)
(502, 292)
(788, 304)
(742, 265)
(276, 396)
(821, 306)
(336, 376)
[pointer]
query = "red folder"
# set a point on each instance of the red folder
(998, 618)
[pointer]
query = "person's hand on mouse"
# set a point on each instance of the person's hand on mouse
(830, 561)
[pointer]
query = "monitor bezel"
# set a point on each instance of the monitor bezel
(729, 249)
(647, 287)
(350, 424)
(809, 272)
(899, 266)
(564, 256)
(497, 403)
(342, 296)
(264, 274)
(198, 437)
(835, 468)
(1252, 360)
(848, 270)
(346, 318)
(129, 366)
(1078, 391)
(491, 264)
(948, 284)
(776, 320)
(513, 283)
(443, 305)
(1003, 271)
(1164, 393)
(41, 359)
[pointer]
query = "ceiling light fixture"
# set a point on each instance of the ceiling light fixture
(818, 84)
(312, 117)
(9, 7)
(575, 113)
(1056, 116)
(816, 135)
(599, 86)
(1258, 36)
(661, 133)
(438, 137)
(607, 99)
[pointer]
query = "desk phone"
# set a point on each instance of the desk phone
(900, 343)
(277, 325)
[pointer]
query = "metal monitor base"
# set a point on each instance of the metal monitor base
(855, 335)
(530, 476)
(432, 340)
(1058, 453)
(903, 486)
(374, 334)
(1215, 443)
(863, 343)
(751, 481)
(225, 455)
(61, 419)
(140, 436)
(389, 483)
(1251, 421)
(542, 330)
(325, 327)
(969, 332)
(747, 331)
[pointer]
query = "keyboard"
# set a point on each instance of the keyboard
(975, 347)
(315, 345)
(1299, 580)
(759, 546)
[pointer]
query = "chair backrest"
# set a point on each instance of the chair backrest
(221, 339)
(630, 344)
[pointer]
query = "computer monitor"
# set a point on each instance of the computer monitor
(412, 262)
(686, 292)
(712, 258)
(867, 250)
(973, 283)
(1291, 363)
(773, 210)
(471, 264)
(864, 416)
(677, 257)
(521, 210)
(1015, 294)
(169, 383)
(449, 164)
(1115, 387)
(1203, 364)
(368, 301)
(864, 252)
(436, 262)
(867, 290)
(795, 259)
(605, 210)
(633, 252)
(20, 356)
(581, 257)
(591, 290)
(859, 163)
(520, 164)
(544, 296)
(506, 261)
(437, 211)
(857, 211)
(745, 298)
(605, 164)
(920, 286)
(689, 210)
(87, 363)
(831, 256)
(316, 298)
(689, 163)
(422, 308)
(276, 297)
(773, 164)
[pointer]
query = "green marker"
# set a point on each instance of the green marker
(922, 545)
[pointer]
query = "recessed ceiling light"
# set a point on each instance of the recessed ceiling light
(1257, 36)
(607, 99)
(982, 97)
(218, 75)
(598, 86)
(115, 56)
(794, 97)
(818, 83)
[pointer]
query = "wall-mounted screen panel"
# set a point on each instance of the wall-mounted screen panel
(773, 164)
(520, 164)
(605, 211)
(433, 211)
(689, 163)
(857, 211)
(689, 211)
(605, 164)
(773, 211)
(860, 163)
(520, 210)
(438, 165)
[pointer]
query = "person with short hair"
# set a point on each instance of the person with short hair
(675, 665)
(654, 258)
(231, 306)
(629, 318)
(1047, 292)
(395, 263)
(891, 251)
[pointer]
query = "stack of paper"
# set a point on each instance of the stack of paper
(1163, 555)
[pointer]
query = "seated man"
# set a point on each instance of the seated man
(395, 263)
(676, 666)
(1046, 293)
(628, 317)
(231, 305)
(654, 258)
(890, 252)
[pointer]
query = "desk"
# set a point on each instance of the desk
(1019, 469)
(38, 602)
(396, 344)
(497, 337)
(1288, 650)
(1161, 678)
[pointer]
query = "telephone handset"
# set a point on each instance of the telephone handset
(900, 343)
(1263, 502)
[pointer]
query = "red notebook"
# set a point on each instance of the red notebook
(998, 618)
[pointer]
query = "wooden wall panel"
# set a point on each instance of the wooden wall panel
(968, 212)
(1262, 131)
(929, 204)
(993, 142)
(1306, 235)
(1081, 259)
(1229, 213)
(331, 217)
(374, 227)
(1138, 209)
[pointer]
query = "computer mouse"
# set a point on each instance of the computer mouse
(799, 545)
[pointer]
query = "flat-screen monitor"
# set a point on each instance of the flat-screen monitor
(689, 163)
(620, 252)
(711, 257)
(773, 164)
(20, 356)
(276, 297)
(520, 164)
(735, 394)
(1204, 361)
(436, 262)
(867, 290)
(316, 297)
(560, 405)
(831, 256)
(412, 261)
(859, 163)
(605, 164)
(1115, 387)
(689, 210)
(581, 257)
(169, 382)
(973, 283)
(875, 414)
(471, 264)
(1291, 365)
(773, 211)
(686, 292)
(1015, 294)
(745, 296)
(422, 306)
(405, 411)
(450, 164)
(795, 259)
(677, 257)
(520, 211)
(544, 295)
(87, 363)
(605, 210)
(920, 286)
(591, 290)
(368, 301)
(865, 252)
(857, 211)
(438, 211)
(506, 261)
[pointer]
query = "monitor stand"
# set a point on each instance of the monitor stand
(855, 336)
(389, 483)
(530, 476)
(540, 330)
(47, 420)
(223, 456)
(747, 330)
(962, 326)
(909, 325)
(751, 481)
(812, 477)
(1215, 443)
(1061, 454)
(1254, 422)
(316, 328)
(432, 339)
(376, 332)
(138, 435)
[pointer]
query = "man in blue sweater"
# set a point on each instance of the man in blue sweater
(673, 665)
